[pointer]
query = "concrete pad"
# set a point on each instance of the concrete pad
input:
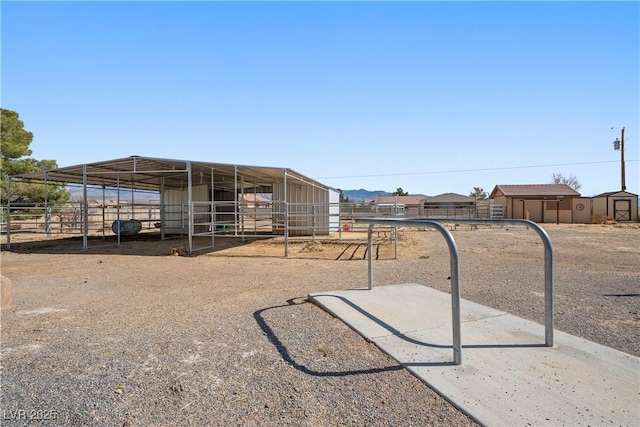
(507, 376)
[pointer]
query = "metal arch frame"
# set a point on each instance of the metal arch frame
(454, 262)
(437, 223)
(548, 263)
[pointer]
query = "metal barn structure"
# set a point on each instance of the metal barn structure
(198, 199)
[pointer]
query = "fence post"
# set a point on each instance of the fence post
(47, 221)
(8, 212)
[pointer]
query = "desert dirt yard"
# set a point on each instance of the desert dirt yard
(133, 335)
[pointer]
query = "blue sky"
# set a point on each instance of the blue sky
(432, 97)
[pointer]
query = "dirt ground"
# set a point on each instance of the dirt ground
(142, 334)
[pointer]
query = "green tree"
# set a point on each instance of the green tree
(343, 198)
(400, 192)
(571, 180)
(479, 193)
(14, 160)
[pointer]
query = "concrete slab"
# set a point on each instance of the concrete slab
(507, 376)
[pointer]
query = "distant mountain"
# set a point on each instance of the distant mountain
(94, 193)
(359, 196)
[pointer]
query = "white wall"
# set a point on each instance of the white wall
(175, 212)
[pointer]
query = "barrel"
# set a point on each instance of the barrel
(126, 228)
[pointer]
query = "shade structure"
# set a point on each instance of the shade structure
(194, 192)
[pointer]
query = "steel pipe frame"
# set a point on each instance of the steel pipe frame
(455, 269)
(437, 223)
(548, 264)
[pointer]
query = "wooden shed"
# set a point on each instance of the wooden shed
(550, 203)
(621, 206)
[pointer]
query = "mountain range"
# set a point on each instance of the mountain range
(355, 196)
(94, 193)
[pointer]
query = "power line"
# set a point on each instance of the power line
(472, 170)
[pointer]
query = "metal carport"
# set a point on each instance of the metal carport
(299, 206)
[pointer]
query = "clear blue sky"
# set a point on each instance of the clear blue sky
(432, 97)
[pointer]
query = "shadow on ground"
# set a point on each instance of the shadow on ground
(144, 244)
(284, 352)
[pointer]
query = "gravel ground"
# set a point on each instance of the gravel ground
(108, 337)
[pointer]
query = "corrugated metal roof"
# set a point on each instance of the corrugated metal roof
(534, 190)
(149, 173)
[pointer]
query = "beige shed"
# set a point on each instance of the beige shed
(543, 203)
(618, 205)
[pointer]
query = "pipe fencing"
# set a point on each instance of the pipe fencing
(438, 224)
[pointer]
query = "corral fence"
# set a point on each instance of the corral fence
(71, 219)
(293, 221)
(485, 211)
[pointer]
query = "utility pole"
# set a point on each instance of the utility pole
(618, 144)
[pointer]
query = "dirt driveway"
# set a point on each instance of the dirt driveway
(131, 335)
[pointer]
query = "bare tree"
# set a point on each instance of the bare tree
(571, 180)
